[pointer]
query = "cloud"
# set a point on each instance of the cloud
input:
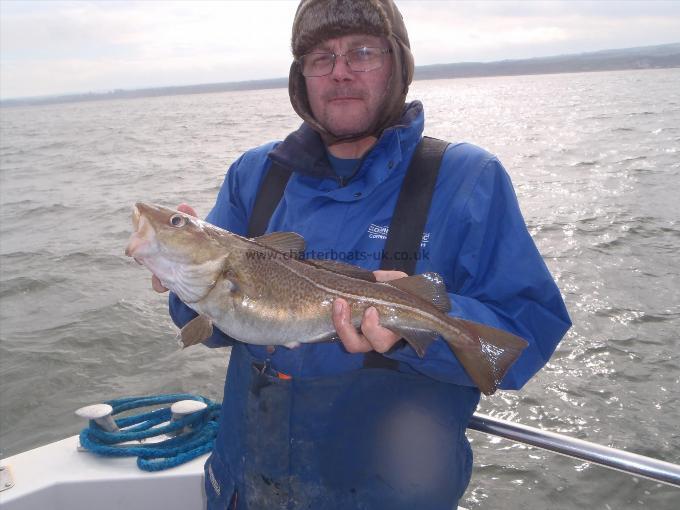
(443, 32)
(65, 47)
(54, 47)
(475, 10)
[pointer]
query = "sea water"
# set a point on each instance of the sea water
(595, 161)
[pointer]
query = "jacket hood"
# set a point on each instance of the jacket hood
(320, 20)
(303, 151)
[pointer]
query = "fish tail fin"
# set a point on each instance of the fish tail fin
(486, 353)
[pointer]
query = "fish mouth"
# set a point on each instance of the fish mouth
(142, 235)
(136, 214)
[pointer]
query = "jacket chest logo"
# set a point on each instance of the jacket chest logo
(381, 231)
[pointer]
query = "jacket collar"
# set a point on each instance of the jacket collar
(303, 150)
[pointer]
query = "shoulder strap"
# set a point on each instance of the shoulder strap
(413, 205)
(410, 214)
(408, 221)
(268, 197)
(407, 225)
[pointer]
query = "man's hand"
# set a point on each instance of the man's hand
(373, 336)
(155, 282)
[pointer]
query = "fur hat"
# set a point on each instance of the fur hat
(320, 20)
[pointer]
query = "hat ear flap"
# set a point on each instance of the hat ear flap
(297, 91)
(403, 58)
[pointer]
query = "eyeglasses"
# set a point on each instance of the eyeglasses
(359, 60)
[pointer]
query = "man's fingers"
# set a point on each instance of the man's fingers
(374, 337)
(352, 341)
(187, 209)
(381, 339)
(157, 285)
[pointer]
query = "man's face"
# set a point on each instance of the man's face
(347, 102)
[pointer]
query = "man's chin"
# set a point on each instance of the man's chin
(347, 131)
(347, 127)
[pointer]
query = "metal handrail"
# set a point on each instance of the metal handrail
(631, 463)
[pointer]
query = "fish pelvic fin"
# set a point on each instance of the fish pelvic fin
(486, 353)
(197, 330)
(419, 339)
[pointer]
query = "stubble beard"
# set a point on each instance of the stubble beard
(348, 123)
(355, 118)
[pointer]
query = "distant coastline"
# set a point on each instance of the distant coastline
(645, 57)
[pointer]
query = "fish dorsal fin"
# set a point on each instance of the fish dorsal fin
(343, 269)
(427, 286)
(285, 242)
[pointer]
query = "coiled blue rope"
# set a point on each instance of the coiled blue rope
(158, 455)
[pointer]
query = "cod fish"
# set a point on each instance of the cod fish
(260, 291)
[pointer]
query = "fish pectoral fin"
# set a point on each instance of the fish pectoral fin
(427, 286)
(197, 330)
(285, 242)
(419, 339)
(228, 282)
(343, 269)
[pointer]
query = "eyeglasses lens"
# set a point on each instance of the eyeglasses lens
(359, 60)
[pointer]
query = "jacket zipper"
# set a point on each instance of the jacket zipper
(213, 481)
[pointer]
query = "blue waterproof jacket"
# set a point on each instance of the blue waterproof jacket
(320, 441)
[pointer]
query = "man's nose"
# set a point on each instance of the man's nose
(341, 70)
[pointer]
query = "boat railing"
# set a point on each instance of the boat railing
(620, 460)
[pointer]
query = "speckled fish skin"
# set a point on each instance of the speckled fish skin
(261, 295)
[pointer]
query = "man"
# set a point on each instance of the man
(325, 426)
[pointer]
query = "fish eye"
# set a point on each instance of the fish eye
(178, 221)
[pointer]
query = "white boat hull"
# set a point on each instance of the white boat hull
(59, 477)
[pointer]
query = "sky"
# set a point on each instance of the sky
(54, 47)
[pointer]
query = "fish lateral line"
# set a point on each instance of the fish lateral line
(485, 352)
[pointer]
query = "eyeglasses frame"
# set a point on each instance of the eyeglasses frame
(383, 51)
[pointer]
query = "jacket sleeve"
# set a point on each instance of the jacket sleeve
(498, 278)
(228, 213)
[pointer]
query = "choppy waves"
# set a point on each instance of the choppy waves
(593, 158)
